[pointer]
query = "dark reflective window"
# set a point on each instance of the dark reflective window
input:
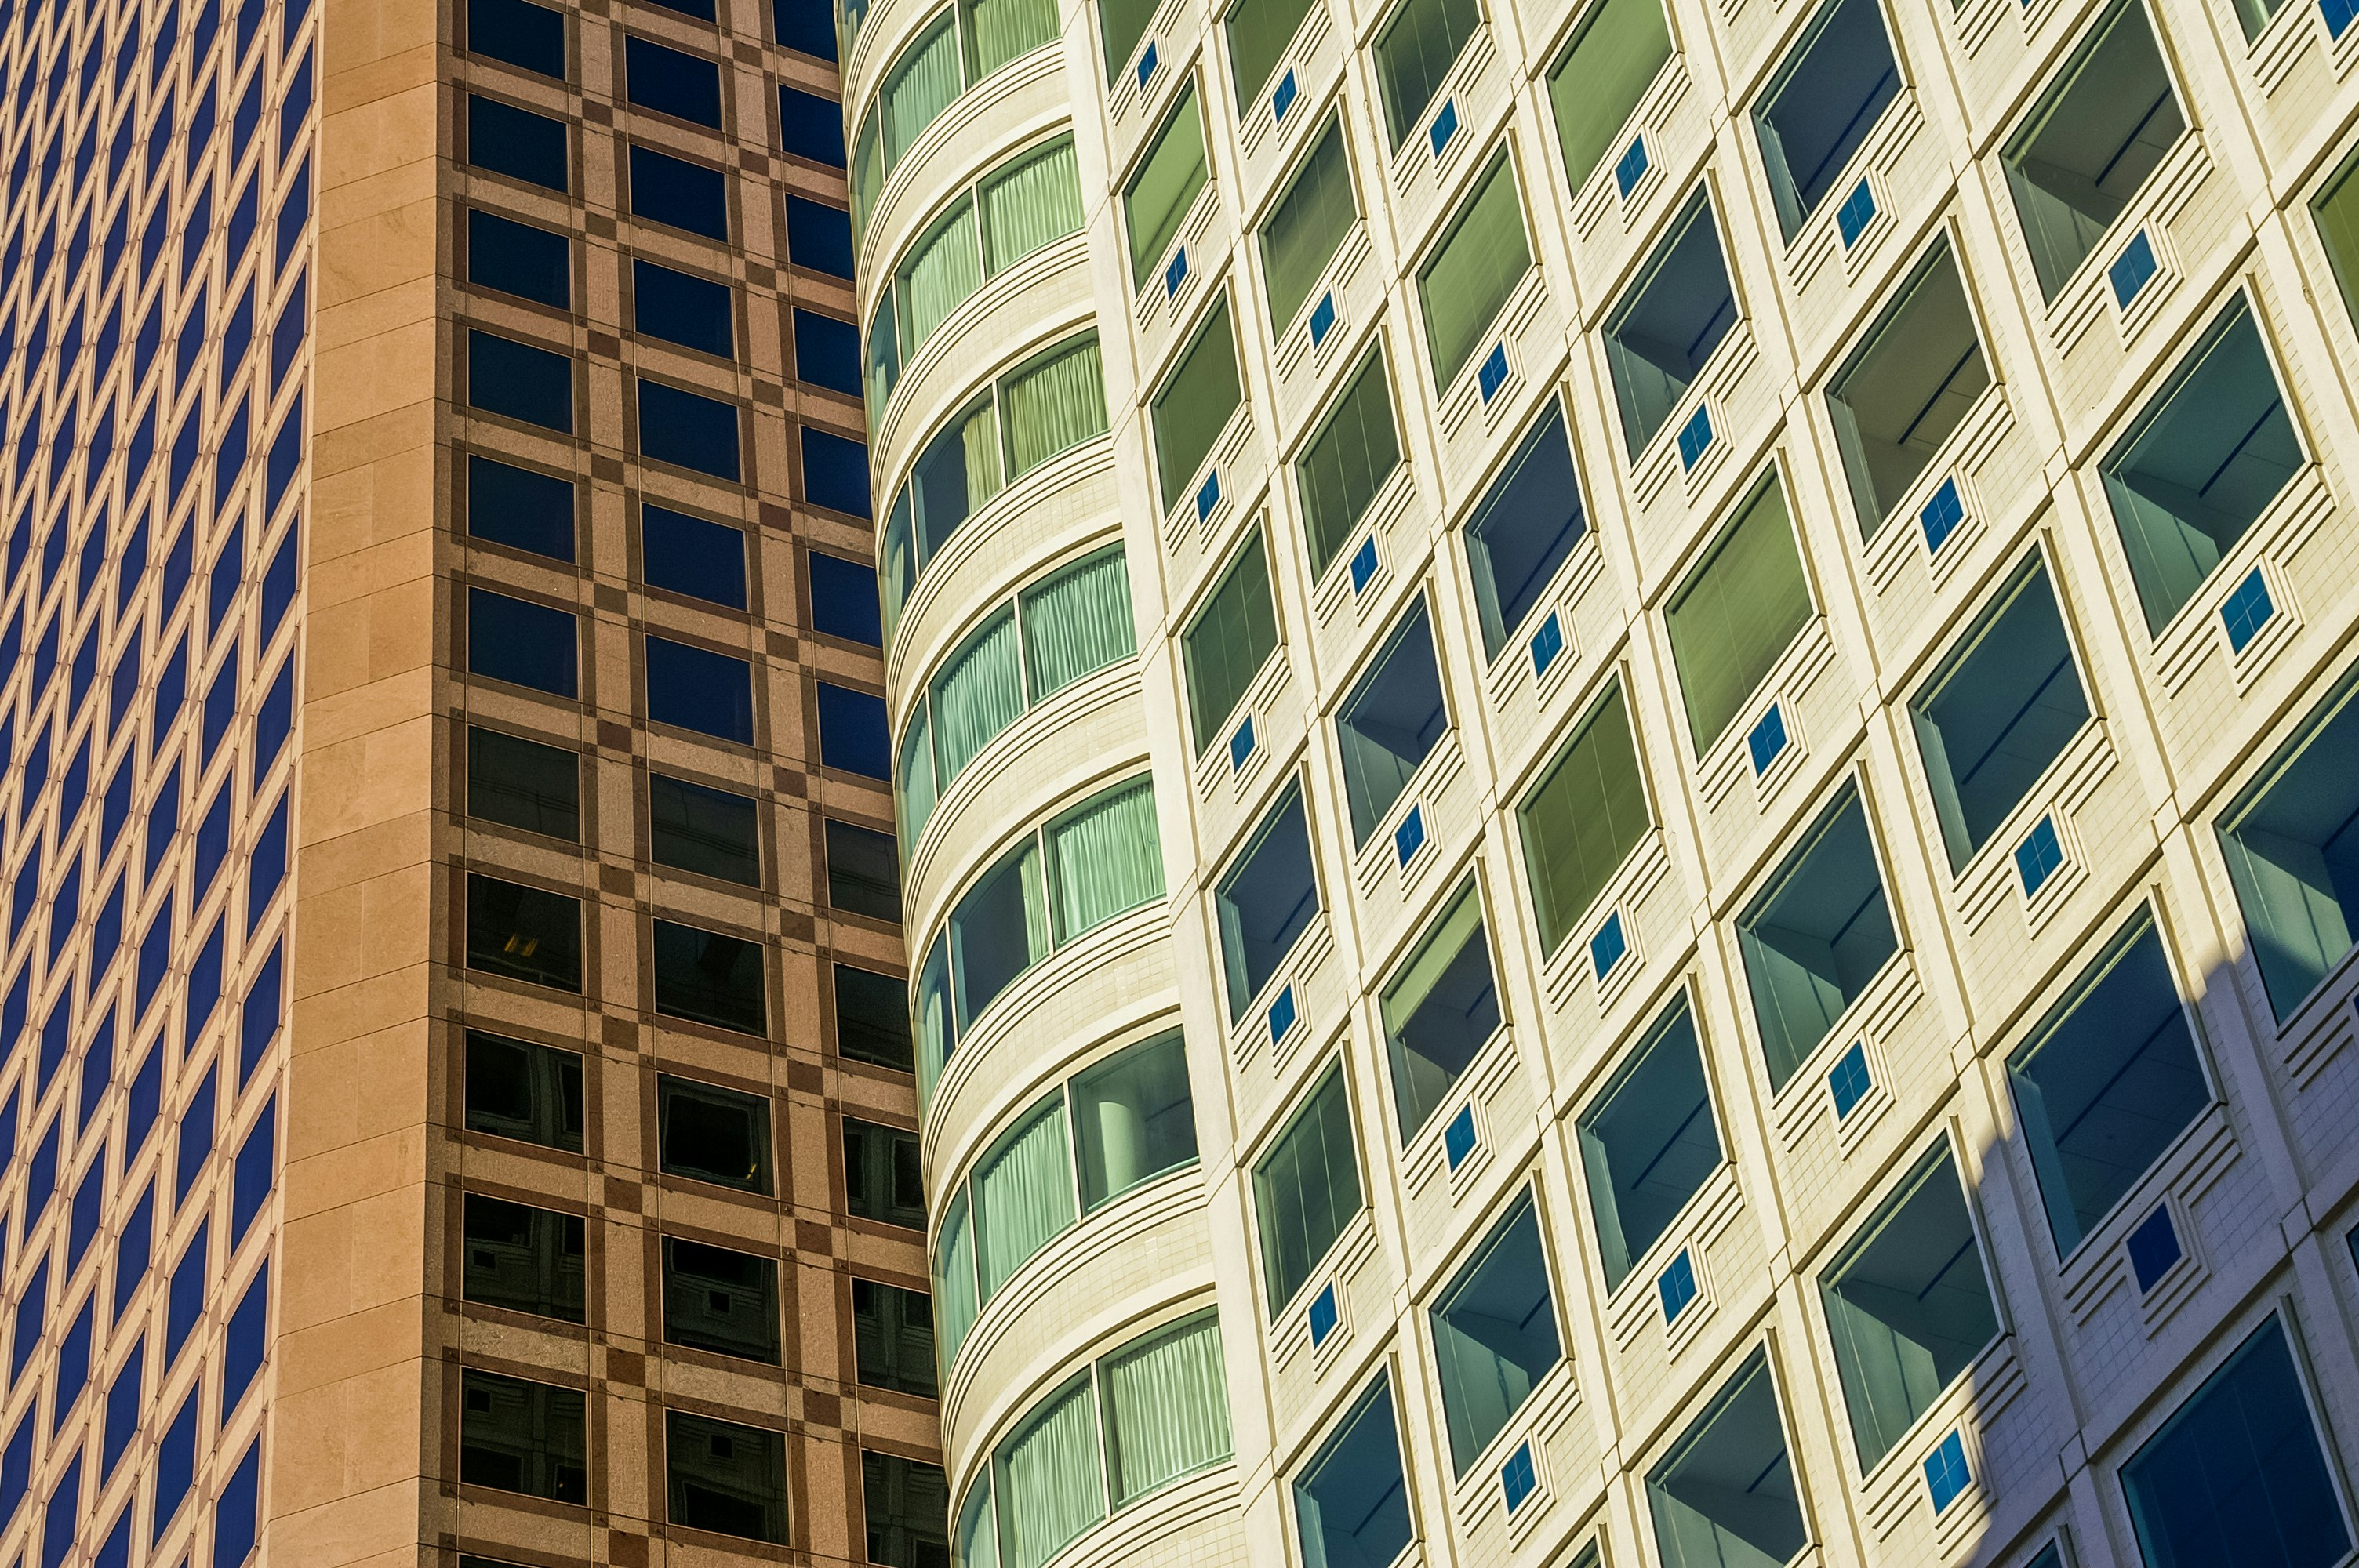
(852, 732)
(523, 783)
(516, 507)
(711, 1134)
(527, 1259)
(905, 1505)
(827, 352)
(819, 236)
(893, 1337)
(524, 644)
(682, 428)
(671, 83)
(863, 871)
(693, 312)
(720, 1300)
(687, 554)
(517, 258)
(700, 690)
(519, 382)
(516, 1436)
(519, 1089)
(872, 1017)
(524, 932)
(707, 978)
(709, 831)
(518, 143)
(804, 26)
(843, 599)
(835, 473)
(810, 126)
(883, 1177)
(681, 194)
(726, 1478)
(518, 33)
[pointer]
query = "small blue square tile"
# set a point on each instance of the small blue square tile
(1547, 644)
(1768, 742)
(1857, 210)
(2339, 14)
(1458, 1138)
(1677, 1287)
(1323, 1316)
(1519, 1479)
(1322, 319)
(1695, 437)
(1946, 1476)
(2131, 269)
(1146, 63)
(1281, 1014)
(1363, 563)
(2037, 857)
(1940, 517)
(1445, 125)
(1494, 373)
(1606, 948)
(1241, 745)
(2153, 1248)
(1410, 836)
(1208, 495)
(2247, 610)
(1630, 168)
(1849, 1080)
(1282, 96)
(1175, 274)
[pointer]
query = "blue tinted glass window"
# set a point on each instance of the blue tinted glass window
(516, 143)
(852, 732)
(690, 556)
(520, 382)
(693, 312)
(517, 258)
(521, 643)
(700, 433)
(295, 207)
(684, 195)
(843, 599)
(242, 1346)
(819, 236)
(519, 508)
(835, 473)
(296, 106)
(810, 126)
(700, 690)
(519, 33)
(671, 83)
(805, 25)
(827, 352)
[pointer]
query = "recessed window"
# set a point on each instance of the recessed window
(671, 83)
(2337, 211)
(1677, 314)
(1229, 642)
(810, 126)
(2096, 135)
(1904, 389)
(1726, 1490)
(1306, 227)
(516, 1436)
(725, 1479)
(1346, 462)
(706, 976)
(711, 1134)
(884, 1176)
(527, 1260)
(712, 832)
(1414, 54)
(835, 473)
(2246, 1435)
(819, 237)
(517, 33)
(2206, 458)
(1134, 1118)
(1464, 285)
(692, 556)
(1816, 935)
(1583, 818)
(1908, 1305)
(519, 508)
(1192, 408)
(679, 194)
(504, 139)
(521, 643)
(693, 312)
(519, 1089)
(872, 1017)
(523, 932)
(2004, 706)
(852, 732)
(2291, 842)
(1121, 24)
(863, 871)
(1495, 1334)
(1614, 57)
(1439, 1011)
(1524, 527)
(1266, 901)
(720, 1300)
(524, 783)
(1824, 103)
(688, 429)
(519, 382)
(1391, 722)
(827, 352)
(893, 1337)
(517, 259)
(697, 690)
(2107, 1083)
(1649, 1142)
(905, 1511)
(843, 599)
(1307, 1189)
(999, 929)
(1259, 32)
(1158, 199)
(1737, 613)
(1351, 1502)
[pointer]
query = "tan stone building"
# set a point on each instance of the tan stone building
(458, 1106)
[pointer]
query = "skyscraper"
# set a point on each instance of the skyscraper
(1625, 750)
(457, 1106)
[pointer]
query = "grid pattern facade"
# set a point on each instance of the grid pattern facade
(1739, 619)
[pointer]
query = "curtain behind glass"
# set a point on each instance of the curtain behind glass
(978, 1529)
(924, 81)
(1583, 818)
(979, 693)
(881, 366)
(1030, 203)
(868, 171)
(932, 1018)
(954, 1295)
(1053, 403)
(1104, 858)
(1347, 462)
(1467, 283)
(1077, 622)
(1051, 1486)
(1167, 1408)
(1233, 636)
(1620, 52)
(999, 31)
(943, 269)
(1194, 407)
(956, 473)
(1259, 31)
(1308, 226)
(1023, 1194)
(913, 780)
(1159, 196)
(1736, 615)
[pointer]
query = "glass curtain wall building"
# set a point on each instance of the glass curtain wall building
(1624, 736)
(458, 1103)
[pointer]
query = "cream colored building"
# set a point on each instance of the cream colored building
(1627, 770)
